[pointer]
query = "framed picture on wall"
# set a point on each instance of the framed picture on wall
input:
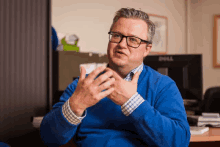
(216, 42)
(160, 40)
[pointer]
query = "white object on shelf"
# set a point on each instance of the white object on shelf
(101, 64)
(198, 130)
(89, 67)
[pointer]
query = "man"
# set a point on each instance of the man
(126, 104)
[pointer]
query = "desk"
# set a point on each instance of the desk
(210, 138)
(212, 135)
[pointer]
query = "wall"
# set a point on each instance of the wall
(91, 21)
(201, 37)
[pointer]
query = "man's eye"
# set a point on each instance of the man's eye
(132, 39)
(116, 35)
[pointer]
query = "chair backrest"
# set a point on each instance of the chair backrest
(211, 101)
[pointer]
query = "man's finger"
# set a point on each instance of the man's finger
(106, 92)
(82, 73)
(135, 77)
(103, 77)
(106, 85)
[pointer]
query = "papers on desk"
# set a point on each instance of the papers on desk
(206, 120)
(209, 119)
(211, 124)
(198, 130)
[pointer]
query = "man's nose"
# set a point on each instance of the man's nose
(123, 42)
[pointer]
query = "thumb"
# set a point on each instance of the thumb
(135, 77)
(82, 73)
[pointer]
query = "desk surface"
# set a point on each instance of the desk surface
(212, 135)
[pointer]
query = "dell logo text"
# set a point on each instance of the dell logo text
(163, 58)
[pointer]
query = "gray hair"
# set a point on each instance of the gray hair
(137, 14)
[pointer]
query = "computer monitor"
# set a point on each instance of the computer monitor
(184, 69)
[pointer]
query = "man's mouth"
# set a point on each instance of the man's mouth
(119, 52)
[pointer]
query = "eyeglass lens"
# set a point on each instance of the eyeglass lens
(131, 41)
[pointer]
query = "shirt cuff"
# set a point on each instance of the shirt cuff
(70, 115)
(128, 107)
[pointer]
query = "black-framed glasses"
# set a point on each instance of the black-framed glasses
(132, 41)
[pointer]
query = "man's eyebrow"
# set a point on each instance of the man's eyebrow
(116, 32)
(130, 35)
(134, 36)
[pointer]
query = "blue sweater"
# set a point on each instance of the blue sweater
(159, 121)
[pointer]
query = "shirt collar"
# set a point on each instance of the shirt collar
(131, 74)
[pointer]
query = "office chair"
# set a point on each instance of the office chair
(211, 102)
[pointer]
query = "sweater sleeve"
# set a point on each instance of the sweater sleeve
(163, 122)
(55, 129)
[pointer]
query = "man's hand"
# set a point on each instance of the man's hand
(123, 90)
(89, 90)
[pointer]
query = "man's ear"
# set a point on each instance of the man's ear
(148, 49)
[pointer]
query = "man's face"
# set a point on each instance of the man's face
(122, 55)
